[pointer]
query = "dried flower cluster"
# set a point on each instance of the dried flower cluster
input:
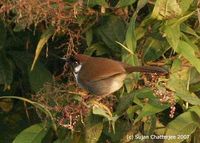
(165, 95)
(56, 98)
(68, 106)
(63, 16)
(72, 114)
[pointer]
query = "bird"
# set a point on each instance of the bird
(102, 76)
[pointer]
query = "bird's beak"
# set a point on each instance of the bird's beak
(65, 59)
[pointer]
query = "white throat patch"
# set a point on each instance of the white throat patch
(77, 68)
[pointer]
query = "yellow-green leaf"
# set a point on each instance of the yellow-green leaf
(166, 9)
(173, 35)
(189, 53)
(183, 126)
(43, 40)
(33, 134)
(130, 35)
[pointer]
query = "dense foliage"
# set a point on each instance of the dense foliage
(39, 101)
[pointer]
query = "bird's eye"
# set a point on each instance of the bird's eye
(76, 63)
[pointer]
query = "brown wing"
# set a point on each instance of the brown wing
(102, 68)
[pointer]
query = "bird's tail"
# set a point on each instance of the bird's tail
(146, 69)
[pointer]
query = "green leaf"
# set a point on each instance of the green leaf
(188, 97)
(89, 37)
(131, 79)
(151, 108)
(6, 71)
(195, 109)
(194, 80)
(93, 128)
(3, 35)
(38, 76)
(97, 48)
(122, 128)
(141, 94)
(140, 32)
(19, 27)
(34, 134)
(185, 5)
(124, 103)
(43, 40)
(123, 3)
(189, 53)
(173, 38)
(166, 9)
(178, 21)
(154, 48)
(178, 83)
(141, 4)
(110, 30)
(132, 110)
(187, 29)
(131, 59)
(184, 124)
(144, 93)
(102, 110)
(130, 35)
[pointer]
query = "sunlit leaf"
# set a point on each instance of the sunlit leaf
(33, 134)
(178, 84)
(184, 124)
(166, 9)
(130, 35)
(141, 4)
(188, 97)
(194, 80)
(185, 5)
(43, 40)
(188, 52)
(178, 21)
(173, 26)
(102, 110)
(124, 47)
(173, 38)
